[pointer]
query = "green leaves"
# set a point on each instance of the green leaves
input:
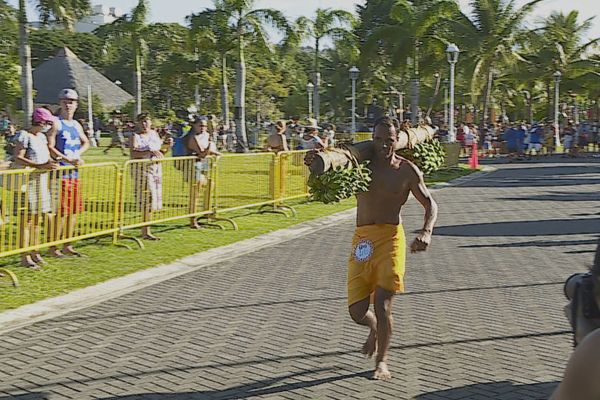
(428, 156)
(340, 183)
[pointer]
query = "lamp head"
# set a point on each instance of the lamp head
(354, 72)
(557, 76)
(452, 52)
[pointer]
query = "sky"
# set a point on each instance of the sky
(176, 10)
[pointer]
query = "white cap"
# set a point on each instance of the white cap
(69, 94)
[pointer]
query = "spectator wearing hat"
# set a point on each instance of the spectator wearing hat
(146, 144)
(198, 142)
(311, 140)
(31, 151)
(277, 140)
(67, 142)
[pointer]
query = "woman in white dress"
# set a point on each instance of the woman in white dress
(146, 144)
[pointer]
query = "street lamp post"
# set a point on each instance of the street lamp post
(556, 76)
(452, 53)
(354, 76)
(446, 102)
(401, 106)
(309, 90)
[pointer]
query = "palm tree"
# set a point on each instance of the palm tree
(326, 24)
(62, 11)
(136, 26)
(248, 25)
(211, 30)
(559, 46)
(413, 34)
(488, 37)
(65, 12)
(130, 27)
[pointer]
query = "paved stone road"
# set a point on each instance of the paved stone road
(482, 318)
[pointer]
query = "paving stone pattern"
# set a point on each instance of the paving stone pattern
(482, 317)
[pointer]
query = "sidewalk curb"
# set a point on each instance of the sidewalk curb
(86, 297)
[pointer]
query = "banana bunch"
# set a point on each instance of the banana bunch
(339, 183)
(428, 156)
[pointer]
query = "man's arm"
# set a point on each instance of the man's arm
(581, 375)
(85, 142)
(423, 196)
(51, 136)
(284, 143)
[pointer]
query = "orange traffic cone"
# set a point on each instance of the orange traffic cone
(474, 159)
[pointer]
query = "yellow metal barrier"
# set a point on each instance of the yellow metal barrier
(294, 175)
(244, 181)
(48, 208)
(162, 190)
(39, 209)
(362, 136)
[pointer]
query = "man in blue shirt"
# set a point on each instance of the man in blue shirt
(511, 137)
(67, 142)
(535, 140)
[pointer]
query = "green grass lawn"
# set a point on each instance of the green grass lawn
(105, 261)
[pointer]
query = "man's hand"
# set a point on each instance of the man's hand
(421, 242)
(50, 165)
(76, 162)
(157, 154)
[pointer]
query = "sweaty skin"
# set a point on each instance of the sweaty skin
(581, 376)
(393, 179)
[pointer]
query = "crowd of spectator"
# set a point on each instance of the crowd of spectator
(520, 140)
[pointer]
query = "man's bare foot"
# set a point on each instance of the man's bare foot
(370, 346)
(70, 251)
(54, 252)
(381, 372)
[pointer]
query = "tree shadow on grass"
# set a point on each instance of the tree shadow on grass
(503, 390)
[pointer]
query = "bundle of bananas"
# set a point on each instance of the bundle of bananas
(428, 156)
(340, 183)
(344, 181)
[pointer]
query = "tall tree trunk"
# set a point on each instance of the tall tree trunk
(240, 98)
(224, 92)
(317, 83)
(25, 58)
(414, 95)
(486, 97)
(138, 81)
(550, 99)
(435, 93)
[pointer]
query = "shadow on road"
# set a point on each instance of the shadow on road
(540, 243)
(257, 388)
(558, 196)
(524, 228)
(494, 390)
(535, 176)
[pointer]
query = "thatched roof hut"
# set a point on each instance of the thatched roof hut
(66, 70)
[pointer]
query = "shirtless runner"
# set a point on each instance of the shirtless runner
(376, 265)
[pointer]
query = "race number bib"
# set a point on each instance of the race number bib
(363, 250)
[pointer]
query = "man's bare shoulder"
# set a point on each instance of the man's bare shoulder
(411, 168)
(580, 380)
